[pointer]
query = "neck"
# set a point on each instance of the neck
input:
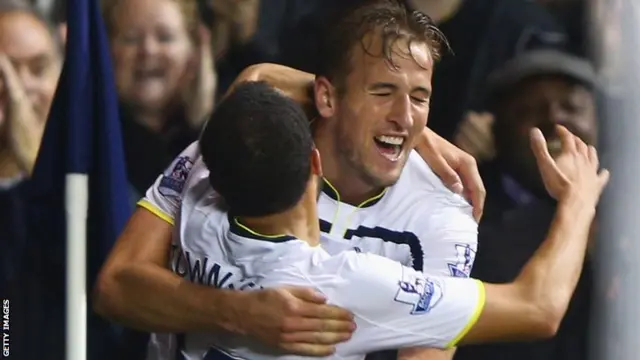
(300, 221)
(153, 120)
(439, 10)
(346, 180)
(9, 167)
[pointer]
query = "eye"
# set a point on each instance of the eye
(130, 38)
(420, 100)
(166, 37)
(38, 69)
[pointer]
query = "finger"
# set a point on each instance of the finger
(540, 150)
(204, 36)
(307, 295)
(581, 147)
(326, 312)
(463, 143)
(316, 337)
(603, 178)
(567, 139)
(12, 83)
(474, 187)
(304, 349)
(319, 325)
(593, 156)
(206, 61)
(447, 174)
(430, 153)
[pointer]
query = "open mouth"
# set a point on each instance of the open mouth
(554, 146)
(149, 74)
(390, 146)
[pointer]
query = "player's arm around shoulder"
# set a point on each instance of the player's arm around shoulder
(141, 251)
(136, 287)
(137, 270)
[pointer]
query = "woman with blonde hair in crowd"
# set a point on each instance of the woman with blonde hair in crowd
(165, 78)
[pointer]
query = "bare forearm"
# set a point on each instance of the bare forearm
(150, 298)
(550, 277)
(425, 354)
(295, 84)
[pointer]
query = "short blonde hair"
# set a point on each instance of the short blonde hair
(188, 8)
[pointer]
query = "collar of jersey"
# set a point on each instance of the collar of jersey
(333, 193)
(237, 228)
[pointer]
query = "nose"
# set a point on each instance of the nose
(30, 82)
(148, 46)
(401, 112)
(557, 114)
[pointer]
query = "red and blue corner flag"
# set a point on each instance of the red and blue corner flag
(79, 197)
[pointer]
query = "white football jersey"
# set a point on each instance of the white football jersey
(394, 306)
(417, 222)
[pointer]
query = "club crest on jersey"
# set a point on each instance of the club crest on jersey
(422, 294)
(465, 258)
(173, 181)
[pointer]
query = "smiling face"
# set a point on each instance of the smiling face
(542, 102)
(379, 111)
(152, 51)
(32, 50)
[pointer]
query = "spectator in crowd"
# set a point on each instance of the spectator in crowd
(501, 29)
(30, 64)
(246, 32)
(234, 22)
(165, 80)
(542, 88)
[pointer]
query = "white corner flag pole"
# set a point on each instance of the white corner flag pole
(77, 207)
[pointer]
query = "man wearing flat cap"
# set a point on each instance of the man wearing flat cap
(541, 88)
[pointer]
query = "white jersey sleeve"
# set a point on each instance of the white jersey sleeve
(163, 198)
(441, 220)
(448, 235)
(394, 306)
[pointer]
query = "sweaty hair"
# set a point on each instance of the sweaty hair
(257, 146)
(390, 19)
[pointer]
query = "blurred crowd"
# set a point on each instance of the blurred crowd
(512, 65)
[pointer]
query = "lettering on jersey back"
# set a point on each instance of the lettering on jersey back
(465, 259)
(422, 294)
(397, 237)
(202, 270)
(172, 181)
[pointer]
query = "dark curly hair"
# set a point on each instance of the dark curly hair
(258, 147)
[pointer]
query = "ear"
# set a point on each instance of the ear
(316, 163)
(325, 97)
(62, 32)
